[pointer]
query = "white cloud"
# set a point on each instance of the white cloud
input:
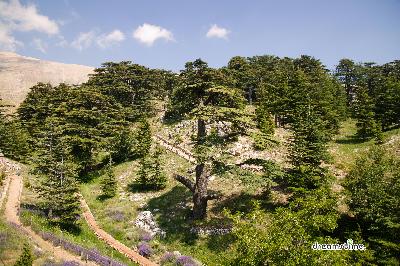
(148, 34)
(26, 18)
(40, 45)
(217, 32)
(112, 38)
(15, 16)
(7, 41)
(84, 40)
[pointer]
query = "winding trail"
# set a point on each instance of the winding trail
(187, 155)
(11, 213)
(103, 235)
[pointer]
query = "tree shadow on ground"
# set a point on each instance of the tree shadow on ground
(103, 197)
(90, 176)
(245, 202)
(174, 214)
(139, 188)
(350, 140)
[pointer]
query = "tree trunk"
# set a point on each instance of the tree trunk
(250, 95)
(200, 196)
(200, 189)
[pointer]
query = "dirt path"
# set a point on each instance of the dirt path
(187, 155)
(11, 214)
(131, 254)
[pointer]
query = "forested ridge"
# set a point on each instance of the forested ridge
(71, 136)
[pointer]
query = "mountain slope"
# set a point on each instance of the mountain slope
(19, 73)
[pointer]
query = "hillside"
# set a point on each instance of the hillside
(143, 166)
(18, 73)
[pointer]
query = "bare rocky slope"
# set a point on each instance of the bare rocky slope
(19, 73)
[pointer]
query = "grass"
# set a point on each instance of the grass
(171, 208)
(11, 243)
(346, 146)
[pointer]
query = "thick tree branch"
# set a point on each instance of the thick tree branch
(185, 181)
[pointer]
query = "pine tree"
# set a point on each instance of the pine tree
(130, 85)
(367, 126)
(308, 150)
(151, 174)
(266, 125)
(203, 99)
(109, 183)
(264, 121)
(143, 139)
(346, 72)
(26, 258)
(57, 174)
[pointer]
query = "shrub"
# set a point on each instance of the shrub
(151, 175)
(26, 257)
(2, 176)
(285, 236)
(116, 215)
(374, 188)
(109, 184)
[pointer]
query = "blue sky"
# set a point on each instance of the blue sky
(166, 34)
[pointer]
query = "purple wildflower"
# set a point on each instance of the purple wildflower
(168, 257)
(186, 261)
(144, 249)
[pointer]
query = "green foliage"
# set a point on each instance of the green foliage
(244, 77)
(26, 258)
(2, 175)
(14, 139)
(308, 150)
(373, 185)
(289, 83)
(109, 183)
(142, 139)
(151, 175)
(373, 95)
(122, 145)
(262, 141)
(347, 73)
(88, 121)
(264, 121)
(130, 85)
(367, 127)
(285, 237)
(56, 171)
